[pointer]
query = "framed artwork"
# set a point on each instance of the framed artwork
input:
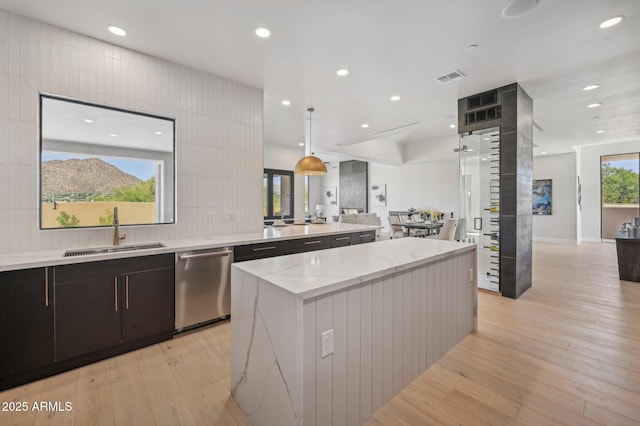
(542, 196)
(378, 194)
(331, 195)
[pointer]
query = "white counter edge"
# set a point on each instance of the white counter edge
(37, 259)
(295, 273)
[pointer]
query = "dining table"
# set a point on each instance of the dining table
(430, 227)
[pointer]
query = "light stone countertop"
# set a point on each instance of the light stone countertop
(315, 273)
(35, 259)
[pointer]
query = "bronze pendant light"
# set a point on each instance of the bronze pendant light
(310, 165)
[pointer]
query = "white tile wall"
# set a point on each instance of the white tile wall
(218, 130)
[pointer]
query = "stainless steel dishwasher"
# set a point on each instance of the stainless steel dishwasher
(203, 293)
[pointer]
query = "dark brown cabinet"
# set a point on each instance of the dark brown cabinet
(87, 316)
(57, 318)
(26, 318)
(103, 305)
(340, 240)
(148, 304)
(261, 250)
(299, 245)
(363, 237)
(310, 244)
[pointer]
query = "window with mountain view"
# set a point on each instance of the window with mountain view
(94, 158)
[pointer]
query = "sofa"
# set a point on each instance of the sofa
(362, 219)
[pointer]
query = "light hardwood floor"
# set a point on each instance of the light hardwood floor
(566, 352)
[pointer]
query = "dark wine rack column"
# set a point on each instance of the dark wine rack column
(510, 109)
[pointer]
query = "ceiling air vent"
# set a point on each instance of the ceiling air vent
(452, 76)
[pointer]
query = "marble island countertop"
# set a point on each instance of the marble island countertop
(35, 259)
(315, 273)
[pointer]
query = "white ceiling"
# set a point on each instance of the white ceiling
(74, 122)
(390, 47)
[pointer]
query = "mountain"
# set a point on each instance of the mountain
(89, 176)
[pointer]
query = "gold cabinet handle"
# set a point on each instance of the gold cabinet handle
(115, 289)
(264, 248)
(313, 242)
(46, 286)
(343, 238)
(126, 293)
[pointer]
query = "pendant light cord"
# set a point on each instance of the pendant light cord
(310, 122)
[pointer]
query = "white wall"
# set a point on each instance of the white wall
(427, 185)
(318, 186)
(560, 226)
(218, 124)
(590, 166)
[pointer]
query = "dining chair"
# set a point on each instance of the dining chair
(397, 231)
(448, 230)
(404, 218)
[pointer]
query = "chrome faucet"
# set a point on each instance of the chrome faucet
(116, 228)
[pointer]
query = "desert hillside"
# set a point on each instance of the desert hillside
(90, 176)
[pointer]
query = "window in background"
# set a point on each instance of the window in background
(277, 194)
(619, 192)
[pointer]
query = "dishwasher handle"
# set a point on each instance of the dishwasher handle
(201, 255)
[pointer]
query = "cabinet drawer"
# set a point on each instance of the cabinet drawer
(363, 237)
(110, 268)
(341, 240)
(260, 250)
(310, 244)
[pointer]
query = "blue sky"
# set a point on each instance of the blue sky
(141, 169)
(627, 164)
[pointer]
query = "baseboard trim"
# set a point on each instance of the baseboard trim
(591, 240)
(554, 240)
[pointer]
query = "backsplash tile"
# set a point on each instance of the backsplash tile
(218, 133)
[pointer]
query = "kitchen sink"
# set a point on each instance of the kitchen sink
(112, 249)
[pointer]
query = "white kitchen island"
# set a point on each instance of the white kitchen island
(393, 309)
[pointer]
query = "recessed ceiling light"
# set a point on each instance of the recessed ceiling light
(517, 8)
(486, 139)
(395, 98)
(590, 87)
(472, 47)
(88, 120)
(286, 102)
(611, 22)
(117, 30)
(263, 32)
(600, 131)
(594, 105)
(364, 125)
(469, 149)
(596, 117)
(342, 72)
(452, 126)
(113, 135)
(543, 152)
(301, 144)
(484, 159)
(158, 132)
